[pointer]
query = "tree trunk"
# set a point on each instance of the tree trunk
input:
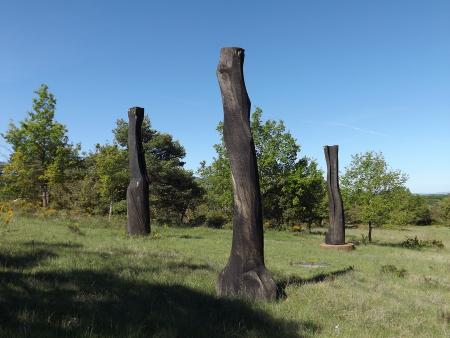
(44, 200)
(110, 211)
(336, 232)
(45, 197)
(309, 227)
(245, 273)
(182, 216)
(370, 231)
(138, 209)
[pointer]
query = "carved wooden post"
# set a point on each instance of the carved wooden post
(138, 209)
(245, 273)
(336, 232)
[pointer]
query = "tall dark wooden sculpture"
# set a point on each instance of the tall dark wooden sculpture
(245, 273)
(336, 232)
(138, 209)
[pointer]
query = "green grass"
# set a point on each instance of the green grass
(85, 278)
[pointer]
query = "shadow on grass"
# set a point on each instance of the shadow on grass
(400, 245)
(189, 266)
(387, 244)
(189, 237)
(24, 260)
(99, 303)
(54, 245)
(295, 280)
(156, 263)
(174, 267)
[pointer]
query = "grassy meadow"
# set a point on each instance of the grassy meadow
(84, 278)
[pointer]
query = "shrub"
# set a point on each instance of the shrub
(45, 212)
(198, 220)
(24, 206)
(296, 228)
(75, 228)
(6, 213)
(364, 239)
(120, 208)
(445, 316)
(216, 221)
(415, 243)
(155, 235)
(267, 224)
(393, 270)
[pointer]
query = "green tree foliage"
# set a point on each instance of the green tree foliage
(444, 207)
(369, 187)
(174, 190)
(3, 185)
(291, 188)
(110, 170)
(41, 154)
(216, 180)
(84, 192)
(409, 209)
(303, 194)
(437, 205)
(276, 151)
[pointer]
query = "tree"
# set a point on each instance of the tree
(276, 150)
(369, 186)
(444, 206)
(216, 180)
(41, 151)
(290, 186)
(3, 185)
(176, 192)
(111, 172)
(173, 189)
(303, 194)
(85, 192)
(409, 208)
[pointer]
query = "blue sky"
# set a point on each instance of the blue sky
(367, 75)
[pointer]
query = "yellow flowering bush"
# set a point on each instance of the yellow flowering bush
(6, 213)
(296, 228)
(46, 212)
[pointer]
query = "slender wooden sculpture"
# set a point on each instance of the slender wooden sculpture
(245, 273)
(336, 232)
(138, 209)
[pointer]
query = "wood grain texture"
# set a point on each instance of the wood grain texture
(336, 232)
(138, 209)
(245, 273)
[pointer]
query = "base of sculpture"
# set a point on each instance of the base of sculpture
(256, 284)
(342, 247)
(138, 213)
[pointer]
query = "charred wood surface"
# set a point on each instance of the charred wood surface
(138, 209)
(245, 273)
(336, 232)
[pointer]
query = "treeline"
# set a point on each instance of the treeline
(45, 170)
(375, 194)
(293, 189)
